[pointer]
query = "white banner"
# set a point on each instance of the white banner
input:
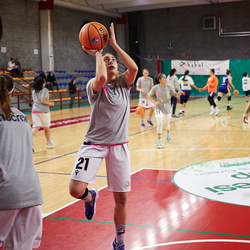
(200, 67)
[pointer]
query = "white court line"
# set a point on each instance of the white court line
(155, 149)
(186, 149)
(191, 241)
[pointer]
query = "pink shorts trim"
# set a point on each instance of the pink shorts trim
(110, 145)
(37, 112)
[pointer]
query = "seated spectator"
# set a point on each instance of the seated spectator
(72, 93)
(43, 75)
(11, 64)
(17, 70)
(51, 81)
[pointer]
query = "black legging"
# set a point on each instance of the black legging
(173, 103)
(211, 101)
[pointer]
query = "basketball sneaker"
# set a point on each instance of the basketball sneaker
(183, 112)
(229, 107)
(168, 138)
(159, 144)
(90, 207)
(180, 113)
(150, 122)
(217, 111)
(143, 125)
(50, 145)
(115, 246)
(212, 111)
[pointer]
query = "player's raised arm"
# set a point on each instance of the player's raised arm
(101, 71)
(132, 69)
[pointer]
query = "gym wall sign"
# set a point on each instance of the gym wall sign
(225, 180)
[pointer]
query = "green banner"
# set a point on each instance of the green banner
(237, 68)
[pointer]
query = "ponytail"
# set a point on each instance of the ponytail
(6, 88)
(157, 78)
(172, 71)
(185, 74)
(37, 85)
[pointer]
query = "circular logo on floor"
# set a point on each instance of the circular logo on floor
(226, 180)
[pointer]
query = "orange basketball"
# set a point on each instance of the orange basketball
(94, 35)
(236, 92)
(139, 110)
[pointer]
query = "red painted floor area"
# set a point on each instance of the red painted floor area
(161, 217)
(159, 213)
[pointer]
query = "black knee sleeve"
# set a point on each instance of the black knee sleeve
(211, 101)
(84, 195)
(229, 98)
(219, 98)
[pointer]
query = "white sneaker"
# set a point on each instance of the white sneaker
(212, 111)
(50, 145)
(217, 111)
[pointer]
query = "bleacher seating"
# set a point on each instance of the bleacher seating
(61, 97)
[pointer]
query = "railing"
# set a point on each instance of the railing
(61, 98)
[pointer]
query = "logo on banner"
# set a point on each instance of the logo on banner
(200, 67)
(226, 180)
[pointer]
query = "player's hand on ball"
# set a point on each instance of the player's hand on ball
(90, 51)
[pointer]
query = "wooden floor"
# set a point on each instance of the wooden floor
(196, 137)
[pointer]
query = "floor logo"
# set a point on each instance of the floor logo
(226, 180)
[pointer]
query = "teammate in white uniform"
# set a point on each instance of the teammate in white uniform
(161, 95)
(107, 136)
(20, 190)
(246, 85)
(186, 82)
(172, 79)
(144, 84)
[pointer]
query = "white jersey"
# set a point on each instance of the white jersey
(245, 83)
(186, 84)
(173, 81)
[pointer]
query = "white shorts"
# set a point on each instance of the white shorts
(41, 119)
(117, 165)
(144, 102)
(21, 229)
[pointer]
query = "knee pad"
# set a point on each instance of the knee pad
(219, 98)
(229, 98)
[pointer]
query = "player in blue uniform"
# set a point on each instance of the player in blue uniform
(225, 89)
